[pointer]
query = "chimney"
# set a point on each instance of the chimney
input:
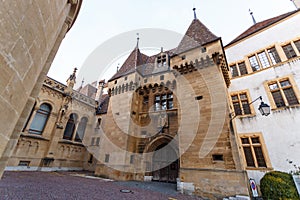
(100, 90)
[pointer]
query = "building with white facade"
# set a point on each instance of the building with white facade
(265, 61)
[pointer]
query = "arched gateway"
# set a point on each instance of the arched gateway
(164, 160)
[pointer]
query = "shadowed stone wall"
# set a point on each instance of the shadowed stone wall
(30, 35)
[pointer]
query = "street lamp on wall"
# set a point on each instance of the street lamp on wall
(263, 108)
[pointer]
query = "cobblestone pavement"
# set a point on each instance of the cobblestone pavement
(76, 185)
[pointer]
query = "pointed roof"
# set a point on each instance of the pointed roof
(261, 25)
(135, 59)
(196, 35)
(88, 90)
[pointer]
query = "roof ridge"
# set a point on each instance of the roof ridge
(261, 25)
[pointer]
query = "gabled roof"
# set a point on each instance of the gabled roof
(261, 25)
(135, 59)
(196, 35)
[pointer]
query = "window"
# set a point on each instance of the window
(106, 158)
(289, 51)
(98, 141)
(242, 67)
(91, 159)
(70, 127)
(161, 60)
(262, 56)
(283, 93)
(217, 157)
(131, 159)
(163, 102)
(40, 119)
(81, 129)
(254, 63)
(98, 123)
(297, 44)
(239, 69)
(253, 151)
(273, 55)
(24, 163)
(93, 141)
(234, 71)
(240, 104)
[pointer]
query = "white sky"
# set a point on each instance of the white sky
(100, 20)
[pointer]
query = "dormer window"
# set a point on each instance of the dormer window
(162, 60)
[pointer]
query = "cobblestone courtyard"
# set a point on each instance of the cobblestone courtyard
(77, 185)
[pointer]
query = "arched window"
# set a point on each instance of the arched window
(70, 127)
(81, 129)
(40, 119)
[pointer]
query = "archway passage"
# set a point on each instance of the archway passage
(165, 164)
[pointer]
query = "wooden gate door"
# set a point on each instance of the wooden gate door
(165, 164)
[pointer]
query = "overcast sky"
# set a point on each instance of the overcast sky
(101, 20)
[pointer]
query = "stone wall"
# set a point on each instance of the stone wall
(31, 32)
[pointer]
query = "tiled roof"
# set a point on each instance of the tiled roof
(196, 35)
(135, 59)
(261, 25)
(103, 105)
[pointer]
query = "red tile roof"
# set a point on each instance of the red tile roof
(261, 25)
(135, 59)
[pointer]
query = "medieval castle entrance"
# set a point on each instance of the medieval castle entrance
(165, 164)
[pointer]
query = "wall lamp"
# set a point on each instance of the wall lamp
(263, 108)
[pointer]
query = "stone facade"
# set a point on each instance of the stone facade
(168, 120)
(44, 143)
(31, 32)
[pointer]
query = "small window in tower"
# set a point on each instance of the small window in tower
(116, 81)
(203, 49)
(106, 158)
(217, 157)
(162, 77)
(125, 78)
(24, 163)
(131, 159)
(183, 57)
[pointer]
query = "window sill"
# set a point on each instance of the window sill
(259, 168)
(245, 116)
(285, 108)
(64, 141)
(34, 136)
(160, 111)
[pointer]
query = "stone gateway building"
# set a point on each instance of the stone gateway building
(185, 115)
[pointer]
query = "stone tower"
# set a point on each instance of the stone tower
(168, 119)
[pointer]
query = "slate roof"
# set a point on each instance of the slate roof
(196, 35)
(88, 90)
(261, 25)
